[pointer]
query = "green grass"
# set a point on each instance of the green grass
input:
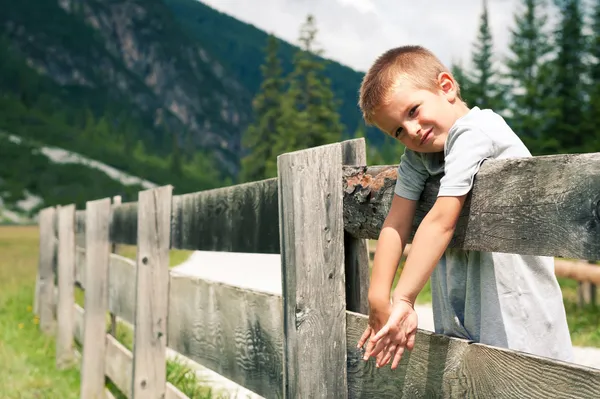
(27, 356)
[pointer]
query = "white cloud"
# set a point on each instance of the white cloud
(355, 32)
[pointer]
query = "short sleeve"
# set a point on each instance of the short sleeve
(412, 175)
(467, 148)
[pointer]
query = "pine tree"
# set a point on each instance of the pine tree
(592, 116)
(485, 91)
(464, 83)
(527, 82)
(568, 94)
(309, 108)
(259, 138)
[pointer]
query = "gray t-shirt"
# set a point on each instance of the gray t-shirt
(500, 299)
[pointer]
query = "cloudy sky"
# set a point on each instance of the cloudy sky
(355, 32)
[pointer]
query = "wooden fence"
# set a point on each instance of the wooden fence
(317, 214)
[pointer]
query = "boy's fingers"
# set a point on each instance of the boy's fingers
(389, 352)
(364, 337)
(397, 357)
(380, 333)
(410, 343)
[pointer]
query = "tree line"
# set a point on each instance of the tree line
(547, 87)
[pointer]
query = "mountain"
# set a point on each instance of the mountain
(159, 89)
(239, 47)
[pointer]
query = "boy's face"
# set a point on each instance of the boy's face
(420, 118)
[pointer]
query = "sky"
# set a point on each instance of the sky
(355, 32)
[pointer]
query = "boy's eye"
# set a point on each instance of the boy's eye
(413, 110)
(398, 132)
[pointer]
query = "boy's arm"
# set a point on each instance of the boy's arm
(390, 245)
(429, 243)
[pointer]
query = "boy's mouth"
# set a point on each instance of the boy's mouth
(426, 136)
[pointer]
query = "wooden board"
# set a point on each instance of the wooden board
(119, 361)
(151, 293)
(356, 253)
(96, 280)
(443, 367)
(66, 286)
(546, 205)
(313, 272)
(234, 332)
(124, 223)
(241, 218)
(46, 267)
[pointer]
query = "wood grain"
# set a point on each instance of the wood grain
(313, 272)
(66, 286)
(235, 332)
(356, 253)
(119, 361)
(152, 292)
(46, 267)
(96, 280)
(124, 223)
(240, 218)
(545, 205)
(444, 367)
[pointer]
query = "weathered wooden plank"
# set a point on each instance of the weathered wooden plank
(119, 361)
(152, 292)
(547, 205)
(116, 201)
(444, 367)
(234, 332)
(240, 218)
(124, 223)
(312, 256)
(46, 267)
(356, 253)
(96, 294)
(121, 284)
(66, 286)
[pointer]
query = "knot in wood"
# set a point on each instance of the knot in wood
(145, 260)
(143, 384)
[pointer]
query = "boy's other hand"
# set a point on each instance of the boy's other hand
(378, 316)
(395, 336)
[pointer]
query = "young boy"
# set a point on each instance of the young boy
(500, 299)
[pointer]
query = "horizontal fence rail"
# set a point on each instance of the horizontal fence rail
(547, 206)
(238, 333)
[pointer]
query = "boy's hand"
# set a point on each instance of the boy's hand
(378, 316)
(395, 336)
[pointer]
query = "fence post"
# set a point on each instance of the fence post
(152, 293)
(586, 291)
(356, 251)
(116, 200)
(47, 243)
(313, 280)
(97, 257)
(66, 286)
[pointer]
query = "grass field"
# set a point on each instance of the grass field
(27, 357)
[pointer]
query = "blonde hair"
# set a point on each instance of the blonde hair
(412, 63)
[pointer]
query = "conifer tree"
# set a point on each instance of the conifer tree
(485, 91)
(527, 77)
(464, 83)
(568, 94)
(592, 116)
(309, 108)
(259, 138)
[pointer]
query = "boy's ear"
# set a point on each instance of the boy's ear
(447, 85)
